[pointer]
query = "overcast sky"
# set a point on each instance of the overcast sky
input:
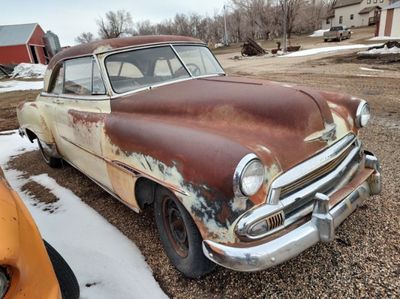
(69, 18)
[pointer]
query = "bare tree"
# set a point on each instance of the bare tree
(115, 24)
(182, 25)
(293, 7)
(84, 37)
(145, 28)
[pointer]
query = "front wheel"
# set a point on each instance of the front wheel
(179, 235)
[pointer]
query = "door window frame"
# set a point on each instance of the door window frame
(93, 97)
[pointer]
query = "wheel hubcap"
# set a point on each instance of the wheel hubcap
(175, 227)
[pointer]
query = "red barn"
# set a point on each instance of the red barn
(22, 43)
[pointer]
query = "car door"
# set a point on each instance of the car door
(80, 111)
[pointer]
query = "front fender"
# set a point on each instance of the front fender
(191, 162)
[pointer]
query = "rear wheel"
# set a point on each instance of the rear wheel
(66, 278)
(179, 235)
(51, 161)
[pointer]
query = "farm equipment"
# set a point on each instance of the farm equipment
(251, 48)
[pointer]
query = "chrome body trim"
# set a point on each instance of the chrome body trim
(320, 227)
(76, 97)
(341, 175)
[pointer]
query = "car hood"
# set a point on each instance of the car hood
(270, 119)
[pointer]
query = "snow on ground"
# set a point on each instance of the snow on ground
(327, 50)
(319, 33)
(98, 253)
(370, 70)
(385, 38)
(28, 70)
(384, 50)
(14, 85)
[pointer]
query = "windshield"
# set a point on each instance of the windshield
(136, 69)
(199, 60)
(143, 68)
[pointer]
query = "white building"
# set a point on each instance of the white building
(389, 24)
(354, 13)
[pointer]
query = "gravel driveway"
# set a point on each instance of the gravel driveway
(364, 258)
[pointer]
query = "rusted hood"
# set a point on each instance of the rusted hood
(264, 117)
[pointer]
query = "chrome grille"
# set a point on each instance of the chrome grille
(275, 220)
(315, 175)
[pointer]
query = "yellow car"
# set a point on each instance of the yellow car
(29, 267)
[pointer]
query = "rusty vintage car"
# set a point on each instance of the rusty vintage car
(243, 173)
(29, 266)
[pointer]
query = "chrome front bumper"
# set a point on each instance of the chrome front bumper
(321, 227)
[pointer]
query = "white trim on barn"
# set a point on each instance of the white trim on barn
(389, 25)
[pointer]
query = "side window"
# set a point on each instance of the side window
(78, 76)
(82, 77)
(57, 87)
(97, 82)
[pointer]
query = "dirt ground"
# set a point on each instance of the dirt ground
(359, 36)
(364, 259)
(8, 102)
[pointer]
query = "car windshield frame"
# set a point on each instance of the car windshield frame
(166, 82)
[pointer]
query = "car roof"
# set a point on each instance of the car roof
(107, 45)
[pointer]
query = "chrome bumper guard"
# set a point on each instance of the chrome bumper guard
(321, 227)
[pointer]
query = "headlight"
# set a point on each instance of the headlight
(249, 176)
(3, 282)
(363, 114)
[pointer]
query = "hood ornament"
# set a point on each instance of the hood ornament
(328, 134)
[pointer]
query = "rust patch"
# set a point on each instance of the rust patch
(86, 118)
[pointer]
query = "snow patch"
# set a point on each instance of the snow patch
(327, 50)
(100, 255)
(384, 50)
(14, 85)
(370, 70)
(28, 70)
(378, 38)
(319, 33)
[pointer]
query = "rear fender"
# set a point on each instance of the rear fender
(32, 121)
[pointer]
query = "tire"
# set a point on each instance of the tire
(179, 235)
(66, 278)
(51, 161)
(325, 40)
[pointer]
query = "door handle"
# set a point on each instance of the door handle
(58, 102)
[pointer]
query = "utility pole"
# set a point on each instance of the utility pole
(285, 8)
(225, 31)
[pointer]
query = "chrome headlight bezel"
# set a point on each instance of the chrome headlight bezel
(240, 171)
(363, 114)
(4, 282)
